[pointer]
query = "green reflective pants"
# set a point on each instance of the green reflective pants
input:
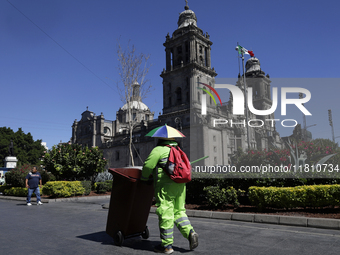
(170, 200)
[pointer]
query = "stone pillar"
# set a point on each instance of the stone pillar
(183, 52)
(192, 50)
(208, 57)
(168, 59)
(94, 131)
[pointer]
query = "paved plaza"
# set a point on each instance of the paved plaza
(79, 228)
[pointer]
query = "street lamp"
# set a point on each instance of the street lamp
(331, 123)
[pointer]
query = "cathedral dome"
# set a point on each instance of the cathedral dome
(186, 18)
(252, 65)
(136, 105)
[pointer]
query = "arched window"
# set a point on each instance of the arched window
(201, 60)
(187, 53)
(179, 60)
(172, 58)
(107, 131)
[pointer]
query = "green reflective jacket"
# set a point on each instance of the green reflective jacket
(159, 152)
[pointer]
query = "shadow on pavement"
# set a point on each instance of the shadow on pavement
(100, 237)
(181, 250)
(135, 243)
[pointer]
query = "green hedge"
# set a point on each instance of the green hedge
(195, 189)
(17, 191)
(87, 186)
(63, 189)
(219, 197)
(300, 196)
(103, 187)
(4, 187)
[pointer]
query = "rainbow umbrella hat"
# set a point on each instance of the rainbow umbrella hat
(165, 132)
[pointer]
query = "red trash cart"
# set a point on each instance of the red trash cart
(130, 204)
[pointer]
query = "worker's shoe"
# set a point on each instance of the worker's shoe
(39, 203)
(193, 239)
(166, 250)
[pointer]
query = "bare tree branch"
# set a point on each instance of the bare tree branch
(132, 68)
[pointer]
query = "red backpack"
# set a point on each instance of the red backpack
(178, 166)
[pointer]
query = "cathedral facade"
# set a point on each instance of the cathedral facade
(187, 72)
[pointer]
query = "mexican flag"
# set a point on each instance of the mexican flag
(243, 50)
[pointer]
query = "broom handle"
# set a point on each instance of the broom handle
(199, 159)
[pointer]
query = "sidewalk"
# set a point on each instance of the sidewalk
(245, 217)
(53, 200)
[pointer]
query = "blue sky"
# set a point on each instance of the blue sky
(50, 71)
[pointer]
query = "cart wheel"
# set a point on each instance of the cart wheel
(119, 238)
(146, 233)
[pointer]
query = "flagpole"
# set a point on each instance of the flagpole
(238, 58)
(246, 100)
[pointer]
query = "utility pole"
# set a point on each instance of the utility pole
(331, 123)
(304, 128)
(246, 100)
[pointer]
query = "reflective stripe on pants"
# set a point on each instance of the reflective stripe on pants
(170, 201)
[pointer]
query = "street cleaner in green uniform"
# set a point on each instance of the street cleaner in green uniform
(170, 198)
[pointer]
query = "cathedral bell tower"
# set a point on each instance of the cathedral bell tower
(188, 63)
(260, 83)
(262, 100)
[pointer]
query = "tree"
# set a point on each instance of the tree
(16, 177)
(318, 161)
(25, 148)
(72, 162)
(132, 68)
